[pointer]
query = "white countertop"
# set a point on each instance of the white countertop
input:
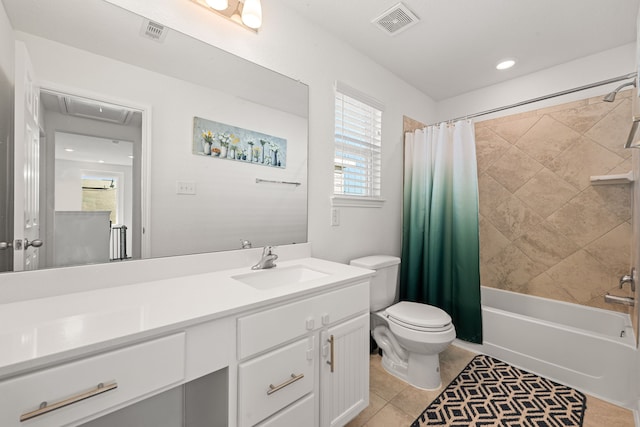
(39, 332)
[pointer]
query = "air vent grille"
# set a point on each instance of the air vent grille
(153, 30)
(396, 19)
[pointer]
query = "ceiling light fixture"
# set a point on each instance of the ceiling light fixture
(247, 13)
(505, 64)
(252, 13)
(69, 150)
(218, 4)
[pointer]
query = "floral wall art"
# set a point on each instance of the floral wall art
(228, 142)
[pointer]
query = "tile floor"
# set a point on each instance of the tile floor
(393, 403)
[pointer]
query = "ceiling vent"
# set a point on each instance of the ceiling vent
(396, 20)
(153, 30)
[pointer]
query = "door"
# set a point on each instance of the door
(26, 225)
(344, 371)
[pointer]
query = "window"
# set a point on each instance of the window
(358, 128)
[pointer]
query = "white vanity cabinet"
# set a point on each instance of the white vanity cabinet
(85, 388)
(285, 361)
(344, 371)
(200, 350)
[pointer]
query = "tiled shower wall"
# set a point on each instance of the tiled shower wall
(545, 230)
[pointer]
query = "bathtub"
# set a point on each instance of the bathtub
(590, 349)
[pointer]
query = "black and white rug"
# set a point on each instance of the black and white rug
(489, 392)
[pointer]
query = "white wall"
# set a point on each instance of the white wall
(290, 45)
(602, 66)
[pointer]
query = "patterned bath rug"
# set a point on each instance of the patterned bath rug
(489, 392)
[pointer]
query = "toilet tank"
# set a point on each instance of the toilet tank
(384, 283)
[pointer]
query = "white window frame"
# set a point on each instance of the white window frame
(363, 143)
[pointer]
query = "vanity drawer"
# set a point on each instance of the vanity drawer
(136, 371)
(301, 413)
(272, 381)
(269, 328)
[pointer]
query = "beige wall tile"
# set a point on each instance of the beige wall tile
(624, 167)
(489, 148)
(612, 131)
(583, 220)
(583, 159)
(511, 269)
(513, 130)
(544, 286)
(616, 198)
(513, 218)
(490, 193)
(583, 117)
(547, 139)
(582, 276)
(514, 169)
(543, 243)
(613, 250)
(546, 192)
(492, 241)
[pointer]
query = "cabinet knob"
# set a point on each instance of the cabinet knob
(310, 324)
(326, 319)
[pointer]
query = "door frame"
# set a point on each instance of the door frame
(145, 148)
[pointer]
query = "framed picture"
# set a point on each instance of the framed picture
(222, 141)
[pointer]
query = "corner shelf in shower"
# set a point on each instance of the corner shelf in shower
(621, 178)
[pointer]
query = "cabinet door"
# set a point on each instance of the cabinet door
(344, 371)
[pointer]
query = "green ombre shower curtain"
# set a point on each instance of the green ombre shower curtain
(440, 247)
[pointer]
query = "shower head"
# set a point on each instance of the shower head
(611, 96)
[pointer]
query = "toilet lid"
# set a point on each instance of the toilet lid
(419, 316)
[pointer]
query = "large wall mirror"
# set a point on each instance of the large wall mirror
(115, 111)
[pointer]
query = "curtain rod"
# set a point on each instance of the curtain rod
(542, 98)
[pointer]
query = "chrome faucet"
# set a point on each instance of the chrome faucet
(267, 260)
(628, 278)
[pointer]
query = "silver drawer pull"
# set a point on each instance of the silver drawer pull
(293, 379)
(331, 362)
(46, 408)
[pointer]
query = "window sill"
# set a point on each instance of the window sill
(357, 202)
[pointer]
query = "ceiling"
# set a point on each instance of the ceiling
(457, 43)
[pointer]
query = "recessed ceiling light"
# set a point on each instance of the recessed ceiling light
(100, 161)
(505, 64)
(70, 150)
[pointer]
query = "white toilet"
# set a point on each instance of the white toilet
(411, 335)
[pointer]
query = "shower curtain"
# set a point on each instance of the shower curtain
(440, 247)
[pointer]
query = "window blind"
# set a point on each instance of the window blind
(358, 128)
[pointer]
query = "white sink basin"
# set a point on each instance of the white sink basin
(279, 276)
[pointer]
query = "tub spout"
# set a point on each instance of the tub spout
(614, 299)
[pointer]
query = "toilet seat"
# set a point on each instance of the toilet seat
(419, 317)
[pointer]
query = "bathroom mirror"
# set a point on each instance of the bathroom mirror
(185, 197)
